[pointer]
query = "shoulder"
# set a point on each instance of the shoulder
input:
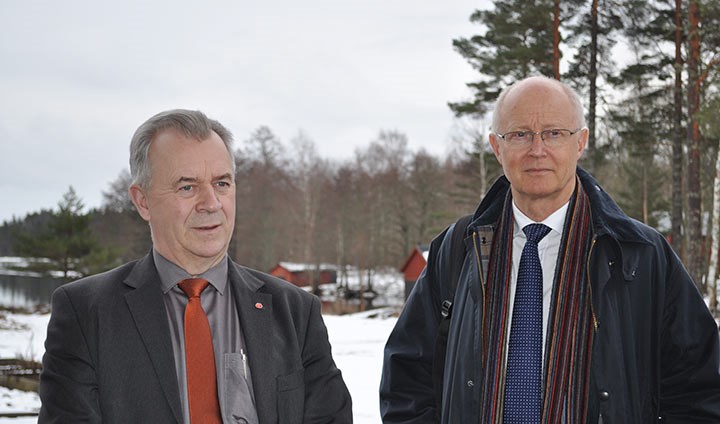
(98, 282)
(291, 306)
(633, 230)
(263, 282)
(97, 289)
(608, 218)
(634, 237)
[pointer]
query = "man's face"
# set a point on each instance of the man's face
(190, 203)
(542, 178)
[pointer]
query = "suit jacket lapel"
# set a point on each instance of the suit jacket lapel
(255, 310)
(147, 308)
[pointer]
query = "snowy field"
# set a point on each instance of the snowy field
(357, 341)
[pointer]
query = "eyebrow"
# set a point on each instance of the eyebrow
(226, 176)
(186, 180)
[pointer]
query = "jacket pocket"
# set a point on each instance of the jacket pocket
(238, 402)
(291, 397)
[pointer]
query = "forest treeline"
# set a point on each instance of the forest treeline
(292, 205)
(648, 73)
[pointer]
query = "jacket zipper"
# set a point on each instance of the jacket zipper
(479, 263)
(481, 273)
(587, 272)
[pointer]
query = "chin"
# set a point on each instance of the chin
(535, 188)
(209, 249)
(207, 255)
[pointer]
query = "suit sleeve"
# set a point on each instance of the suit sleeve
(407, 394)
(327, 399)
(68, 382)
(690, 355)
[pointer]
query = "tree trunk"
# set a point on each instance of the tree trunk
(556, 40)
(713, 239)
(592, 76)
(676, 214)
(694, 190)
(483, 173)
(645, 207)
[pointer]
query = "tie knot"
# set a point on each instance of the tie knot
(536, 232)
(193, 286)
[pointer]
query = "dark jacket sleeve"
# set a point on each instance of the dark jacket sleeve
(406, 388)
(327, 399)
(68, 384)
(690, 381)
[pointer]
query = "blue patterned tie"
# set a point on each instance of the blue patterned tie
(523, 377)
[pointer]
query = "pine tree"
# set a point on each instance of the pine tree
(64, 242)
(591, 34)
(517, 42)
(642, 125)
(644, 121)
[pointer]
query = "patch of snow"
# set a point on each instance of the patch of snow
(23, 336)
(357, 344)
(15, 265)
(15, 401)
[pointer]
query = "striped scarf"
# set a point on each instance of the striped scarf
(570, 322)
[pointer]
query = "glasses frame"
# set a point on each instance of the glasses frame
(541, 134)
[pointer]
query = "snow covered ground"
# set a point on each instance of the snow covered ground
(357, 341)
(21, 336)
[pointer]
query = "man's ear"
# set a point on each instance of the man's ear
(582, 141)
(495, 146)
(139, 199)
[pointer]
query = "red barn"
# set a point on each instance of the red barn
(300, 274)
(413, 266)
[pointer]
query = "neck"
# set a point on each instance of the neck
(540, 208)
(195, 265)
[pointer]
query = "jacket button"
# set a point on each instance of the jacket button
(604, 395)
(470, 383)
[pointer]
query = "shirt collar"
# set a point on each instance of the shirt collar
(171, 274)
(556, 220)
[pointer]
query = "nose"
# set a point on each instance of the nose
(208, 200)
(537, 147)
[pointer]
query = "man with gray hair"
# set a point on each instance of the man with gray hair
(186, 335)
(562, 309)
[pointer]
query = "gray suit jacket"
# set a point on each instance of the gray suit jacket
(109, 356)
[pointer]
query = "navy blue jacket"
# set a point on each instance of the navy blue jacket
(655, 354)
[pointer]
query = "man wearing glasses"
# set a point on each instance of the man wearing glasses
(565, 309)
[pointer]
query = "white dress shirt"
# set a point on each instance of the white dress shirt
(548, 249)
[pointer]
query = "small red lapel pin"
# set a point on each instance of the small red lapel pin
(259, 305)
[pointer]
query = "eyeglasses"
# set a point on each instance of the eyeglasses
(554, 137)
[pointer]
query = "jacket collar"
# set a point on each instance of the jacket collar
(607, 217)
(147, 308)
(255, 307)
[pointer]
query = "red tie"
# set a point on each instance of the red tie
(199, 357)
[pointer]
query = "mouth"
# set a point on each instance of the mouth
(537, 170)
(207, 227)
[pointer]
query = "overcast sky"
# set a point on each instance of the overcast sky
(77, 77)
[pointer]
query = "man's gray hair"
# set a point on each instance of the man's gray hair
(191, 123)
(572, 95)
